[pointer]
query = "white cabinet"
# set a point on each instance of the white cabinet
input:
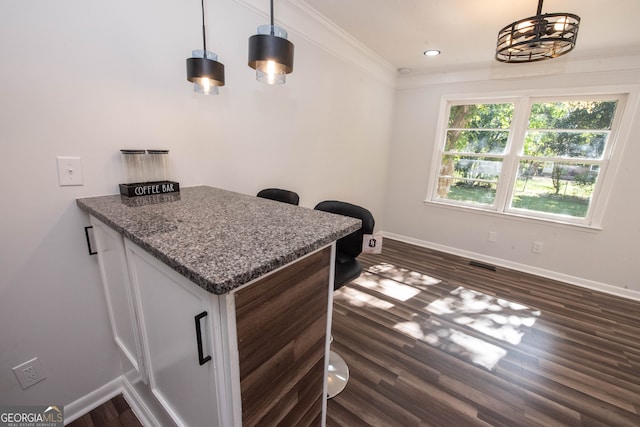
(177, 320)
(206, 360)
(120, 301)
(153, 312)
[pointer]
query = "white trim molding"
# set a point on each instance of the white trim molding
(142, 412)
(88, 402)
(103, 394)
(554, 275)
(493, 70)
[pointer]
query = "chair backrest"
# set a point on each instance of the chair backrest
(351, 244)
(280, 195)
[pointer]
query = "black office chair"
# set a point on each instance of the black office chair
(280, 195)
(347, 268)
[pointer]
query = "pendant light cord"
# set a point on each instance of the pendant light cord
(272, 31)
(204, 36)
(539, 7)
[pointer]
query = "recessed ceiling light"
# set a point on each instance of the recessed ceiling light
(431, 52)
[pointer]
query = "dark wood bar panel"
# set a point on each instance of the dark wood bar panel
(281, 326)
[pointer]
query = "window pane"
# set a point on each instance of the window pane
(586, 145)
(556, 188)
(469, 179)
(481, 116)
(596, 115)
(553, 152)
(477, 141)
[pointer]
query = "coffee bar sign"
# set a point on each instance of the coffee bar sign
(149, 188)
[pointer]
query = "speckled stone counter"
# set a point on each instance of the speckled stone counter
(216, 238)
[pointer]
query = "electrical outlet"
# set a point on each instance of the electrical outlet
(537, 247)
(493, 237)
(29, 373)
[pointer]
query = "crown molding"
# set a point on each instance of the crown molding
(493, 70)
(298, 17)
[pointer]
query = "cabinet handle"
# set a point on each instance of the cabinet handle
(86, 233)
(201, 357)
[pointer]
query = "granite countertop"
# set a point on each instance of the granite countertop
(216, 238)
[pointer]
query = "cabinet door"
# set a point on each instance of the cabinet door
(170, 307)
(115, 279)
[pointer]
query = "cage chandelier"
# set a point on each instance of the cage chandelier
(537, 38)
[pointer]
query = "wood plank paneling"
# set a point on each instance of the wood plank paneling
(281, 329)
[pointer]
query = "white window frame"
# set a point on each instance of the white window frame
(627, 98)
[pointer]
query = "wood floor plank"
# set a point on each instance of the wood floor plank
(575, 363)
(83, 421)
(380, 409)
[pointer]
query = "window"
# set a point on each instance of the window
(534, 157)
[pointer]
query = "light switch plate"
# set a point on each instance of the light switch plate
(69, 171)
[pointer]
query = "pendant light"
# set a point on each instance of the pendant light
(538, 38)
(271, 54)
(203, 68)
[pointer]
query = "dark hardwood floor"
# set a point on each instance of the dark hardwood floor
(114, 413)
(433, 341)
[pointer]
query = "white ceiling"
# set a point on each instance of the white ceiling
(465, 31)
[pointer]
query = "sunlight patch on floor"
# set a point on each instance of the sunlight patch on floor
(403, 275)
(360, 299)
(488, 315)
(496, 317)
(485, 314)
(452, 341)
(388, 287)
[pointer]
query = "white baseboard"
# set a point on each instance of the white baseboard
(139, 408)
(86, 403)
(554, 275)
(119, 385)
